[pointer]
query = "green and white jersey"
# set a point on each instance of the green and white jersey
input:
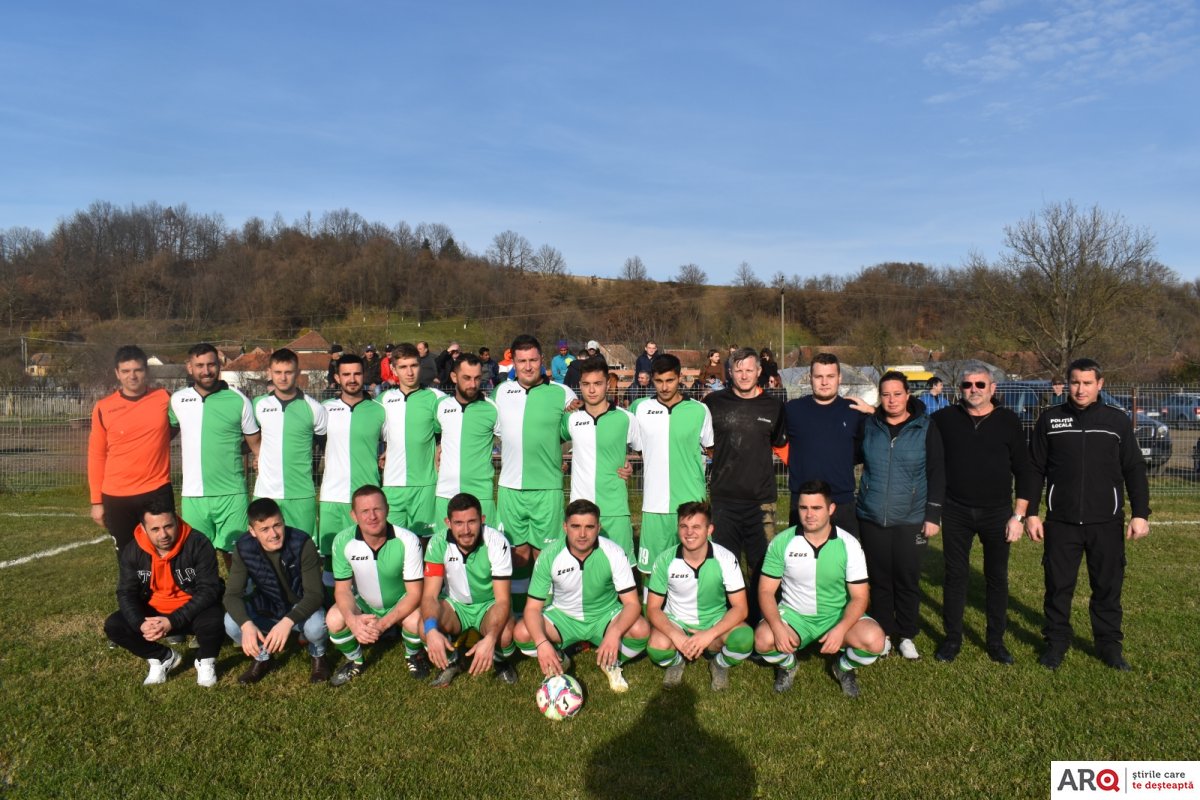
(410, 441)
(469, 576)
(379, 575)
(670, 440)
(696, 597)
(584, 590)
(468, 433)
(814, 579)
(530, 447)
(211, 432)
(599, 447)
(351, 448)
(285, 457)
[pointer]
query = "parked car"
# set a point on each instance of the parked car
(1181, 408)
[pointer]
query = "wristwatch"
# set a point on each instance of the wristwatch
(1019, 518)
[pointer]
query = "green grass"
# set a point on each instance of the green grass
(77, 721)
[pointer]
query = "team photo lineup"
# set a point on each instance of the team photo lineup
(410, 535)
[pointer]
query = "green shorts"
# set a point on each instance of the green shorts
(412, 507)
(335, 518)
(300, 514)
(619, 530)
(486, 504)
(808, 628)
(367, 609)
(531, 516)
(572, 630)
(470, 615)
(222, 518)
(660, 532)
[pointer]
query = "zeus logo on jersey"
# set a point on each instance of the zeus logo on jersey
(797, 554)
(360, 558)
(655, 411)
(682, 575)
(581, 423)
(189, 399)
(564, 571)
(268, 410)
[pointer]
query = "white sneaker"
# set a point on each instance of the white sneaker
(159, 669)
(206, 671)
(887, 647)
(616, 680)
(908, 649)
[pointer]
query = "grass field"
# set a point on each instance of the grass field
(77, 721)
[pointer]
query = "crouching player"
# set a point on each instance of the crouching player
(823, 574)
(474, 562)
(377, 573)
(697, 603)
(598, 604)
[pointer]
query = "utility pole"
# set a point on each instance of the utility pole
(782, 345)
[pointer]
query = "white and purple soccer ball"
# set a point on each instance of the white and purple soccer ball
(560, 697)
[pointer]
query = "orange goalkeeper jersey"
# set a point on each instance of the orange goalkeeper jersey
(129, 449)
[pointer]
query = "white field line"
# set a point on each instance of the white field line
(16, 562)
(39, 514)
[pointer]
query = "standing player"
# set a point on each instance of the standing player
(747, 424)
(672, 430)
(823, 574)
(467, 422)
(214, 421)
(474, 565)
(291, 422)
(601, 434)
(595, 600)
(129, 449)
(351, 450)
(531, 410)
(697, 603)
(378, 573)
(409, 472)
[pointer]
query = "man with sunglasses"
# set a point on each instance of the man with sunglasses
(985, 451)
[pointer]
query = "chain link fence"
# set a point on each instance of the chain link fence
(44, 433)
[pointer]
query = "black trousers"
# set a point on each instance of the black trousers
(894, 557)
(960, 525)
(123, 514)
(843, 517)
(208, 627)
(1064, 547)
(743, 528)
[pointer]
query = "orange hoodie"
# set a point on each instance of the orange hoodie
(165, 594)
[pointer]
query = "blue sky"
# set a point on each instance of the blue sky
(805, 138)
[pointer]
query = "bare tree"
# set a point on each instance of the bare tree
(1064, 278)
(634, 270)
(745, 277)
(549, 261)
(511, 250)
(691, 275)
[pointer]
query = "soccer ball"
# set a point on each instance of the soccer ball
(560, 697)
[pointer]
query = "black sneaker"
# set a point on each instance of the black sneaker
(348, 671)
(999, 653)
(1114, 659)
(505, 673)
(947, 651)
(784, 678)
(418, 665)
(846, 678)
(1052, 656)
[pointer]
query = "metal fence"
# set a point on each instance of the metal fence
(43, 436)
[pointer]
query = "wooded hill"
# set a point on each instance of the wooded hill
(166, 277)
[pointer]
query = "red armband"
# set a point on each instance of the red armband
(434, 570)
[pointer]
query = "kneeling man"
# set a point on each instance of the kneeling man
(285, 568)
(474, 562)
(595, 600)
(697, 603)
(377, 585)
(824, 577)
(169, 586)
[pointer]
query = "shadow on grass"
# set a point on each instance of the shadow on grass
(668, 754)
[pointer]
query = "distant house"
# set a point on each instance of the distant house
(40, 365)
(248, 372)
